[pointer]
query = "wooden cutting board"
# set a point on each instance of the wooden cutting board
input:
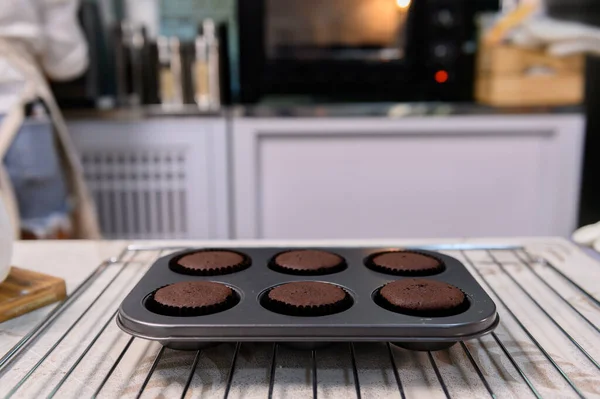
(24, 291)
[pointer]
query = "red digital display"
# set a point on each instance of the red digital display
(441, 76)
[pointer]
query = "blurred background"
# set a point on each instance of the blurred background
(282, 119)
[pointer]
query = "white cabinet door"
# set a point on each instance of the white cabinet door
(157, 178)
(413, 177)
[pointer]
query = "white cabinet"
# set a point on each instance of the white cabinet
(413, 177)
(157, 178)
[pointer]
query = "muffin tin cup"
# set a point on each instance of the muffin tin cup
(186, 311)
(273, 265)
(177, 268)
(365, 320)
(303, 311)
(380, 300)
(401, 272)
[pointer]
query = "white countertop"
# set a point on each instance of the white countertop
(75, 260)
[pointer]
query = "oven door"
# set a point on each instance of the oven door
(349, 48)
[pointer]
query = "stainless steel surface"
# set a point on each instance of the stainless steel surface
(533, 339)
(137, 259)
(303, 108)
(49, 319)
(307, 108)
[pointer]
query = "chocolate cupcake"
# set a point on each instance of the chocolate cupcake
(210, 262)
(404, 263)
(192, 298)
(307, 262)
(307, 298)
(421, 297)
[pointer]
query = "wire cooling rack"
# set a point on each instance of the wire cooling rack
(545, 346)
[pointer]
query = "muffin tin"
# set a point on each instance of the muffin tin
(365, 320)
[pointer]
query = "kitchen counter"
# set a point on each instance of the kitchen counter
(141, 113)
(389, 110)
(75, 260)
(315, 110)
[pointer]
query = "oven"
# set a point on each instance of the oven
(397, 50)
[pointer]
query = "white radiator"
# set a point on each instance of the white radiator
(157, 178)
(139, 193)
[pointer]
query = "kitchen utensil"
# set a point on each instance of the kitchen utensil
(207, 68)
(200, 73)
(364, 321)
(137, 43)
(25, 290)
(170, 72)
(212, 51)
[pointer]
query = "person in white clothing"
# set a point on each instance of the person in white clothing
(41, 177)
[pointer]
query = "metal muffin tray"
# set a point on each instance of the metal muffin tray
(249, 321)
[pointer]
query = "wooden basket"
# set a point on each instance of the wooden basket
(511, 76)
